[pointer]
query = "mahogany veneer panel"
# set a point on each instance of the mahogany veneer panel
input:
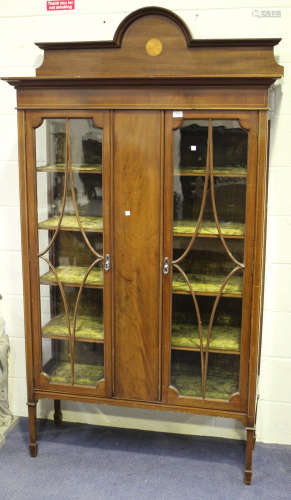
(136, 267)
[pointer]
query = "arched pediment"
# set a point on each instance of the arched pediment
(154, 43)
(150, 11)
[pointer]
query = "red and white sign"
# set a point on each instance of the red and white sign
(53, 5)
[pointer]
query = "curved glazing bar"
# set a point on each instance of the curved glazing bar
(76, 312)
(210, 142)
(67, 315)
(209, 332)
(199, 322)
(76, 210)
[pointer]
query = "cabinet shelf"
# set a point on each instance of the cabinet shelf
(88, 328)
(208, 285)
(208, 229)
(73, 276)
(222, 379)
(218, 171)
(70, 223)
(59, 372)
(224, 338)
(87, 168)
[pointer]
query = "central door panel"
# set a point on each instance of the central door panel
(137, 254)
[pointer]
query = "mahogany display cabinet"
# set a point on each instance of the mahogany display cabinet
(143, 193)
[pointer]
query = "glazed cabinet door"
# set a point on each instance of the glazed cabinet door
(68, 177)
(209, 233)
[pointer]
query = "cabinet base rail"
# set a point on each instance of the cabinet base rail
(58, 419)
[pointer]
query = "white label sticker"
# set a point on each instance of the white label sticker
(193, 147)
(127, 213)
(177, 114)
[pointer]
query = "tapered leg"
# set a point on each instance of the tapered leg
(249, 455)
(32, 428)
(58, 418)
(254, 440)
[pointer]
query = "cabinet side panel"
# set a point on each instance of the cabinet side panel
(22, 154)
(259, 265)
(137, 225)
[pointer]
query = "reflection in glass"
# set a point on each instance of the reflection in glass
(230, 147)
(226, 330)
(50, 143)
(230, 197)
(87, 200)
(87, 369)
(71, 260)
(189, 155)
(186, 373)
(86, 145)
(209, 199)
(89, 317)
(222, 377)
(207, 265)
(190, 146)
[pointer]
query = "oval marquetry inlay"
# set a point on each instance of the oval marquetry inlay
(154, 47)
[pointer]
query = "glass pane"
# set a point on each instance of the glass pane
(230, 200)
(50, 143)
(70, 261)
(230, 197)
(230, 147)
(226, 329)
(88, 366)
(190, 147)
(206, 266)
(186, 373)
(207, 281)
(89, 315)
(222, 376)
(69, 200)
(86, 145)
(55, 189)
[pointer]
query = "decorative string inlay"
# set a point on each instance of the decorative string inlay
(154, 47)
